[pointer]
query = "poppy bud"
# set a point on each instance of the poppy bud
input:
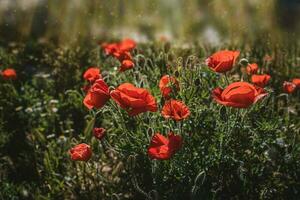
(244, 62)
(176, 74)
(142, 84)
(197, 82)
(99, 133)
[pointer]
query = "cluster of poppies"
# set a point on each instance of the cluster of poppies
(237, 94)
(136, 100)
(241, 94)
(133, 100)
(161, 147)
(121, 51)
(290, 87)
(9, 74)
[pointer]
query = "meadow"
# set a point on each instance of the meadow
(226, 152)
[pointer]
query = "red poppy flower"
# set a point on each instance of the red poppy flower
(9, 74)
(81, 152)
(97, 96)
(126, 65)
(92, 74)
(289, 87)
(176, 110)
(238, 95)
(109, 48)
(121, 51)
(222, 61)
(252, 68)
(122, 55)
(127, 45)
(117, 49)
(260, 80)
(99, 133)
(296, 81)
(162, 148)
(165, 85)
(134, 100)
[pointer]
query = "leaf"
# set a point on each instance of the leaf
(89, 127)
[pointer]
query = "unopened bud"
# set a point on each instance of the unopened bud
(197, 82)
(244, 62)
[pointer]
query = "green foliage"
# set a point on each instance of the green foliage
(227, 153)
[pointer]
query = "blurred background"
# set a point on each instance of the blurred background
(209, 21)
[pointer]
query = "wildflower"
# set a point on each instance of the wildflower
(260, 80)
(126, 64)
(252, 68)
(238, 95)
(81, 152)
(97, 95)
(109, 48)
(99, 133)
(222, 61)
(9, 74)
(162, 148)
(289, 87)
(121, 51)
(92, 74)
(296, 81)
(165, 85)
(122, 55)
(127, 45)
(134, 100)
(176, 110)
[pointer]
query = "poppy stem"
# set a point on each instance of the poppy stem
(287, 108)
(83, 175)
(226, 79)
(96, 113)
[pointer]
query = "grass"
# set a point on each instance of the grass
(227, 153)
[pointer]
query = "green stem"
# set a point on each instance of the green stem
(226, 78)
(83, 175)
